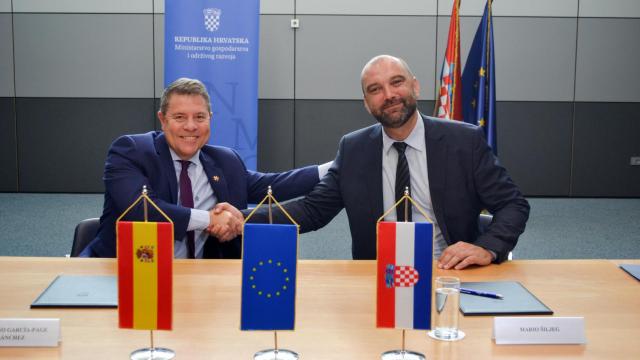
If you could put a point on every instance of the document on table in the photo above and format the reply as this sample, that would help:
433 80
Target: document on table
79 291
517 300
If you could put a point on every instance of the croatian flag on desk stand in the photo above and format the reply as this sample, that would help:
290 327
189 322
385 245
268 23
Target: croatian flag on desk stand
217 42
269 260
405 253
145 271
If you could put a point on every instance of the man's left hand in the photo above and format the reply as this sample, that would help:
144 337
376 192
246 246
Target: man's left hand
462 254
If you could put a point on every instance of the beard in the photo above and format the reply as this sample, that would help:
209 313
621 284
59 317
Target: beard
396 119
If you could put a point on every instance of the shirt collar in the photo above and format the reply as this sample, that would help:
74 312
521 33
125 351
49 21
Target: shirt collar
415 139
194 160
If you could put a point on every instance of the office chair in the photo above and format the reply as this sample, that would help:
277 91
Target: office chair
483 223
86 231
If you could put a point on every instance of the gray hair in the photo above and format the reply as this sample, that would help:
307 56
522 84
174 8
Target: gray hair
184 86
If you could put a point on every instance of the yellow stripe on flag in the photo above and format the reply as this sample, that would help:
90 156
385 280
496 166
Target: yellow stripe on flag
145 275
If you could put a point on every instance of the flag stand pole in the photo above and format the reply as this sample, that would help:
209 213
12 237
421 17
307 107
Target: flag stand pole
403 353
275 353
152 352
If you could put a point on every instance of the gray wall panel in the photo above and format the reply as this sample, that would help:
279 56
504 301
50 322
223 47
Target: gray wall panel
275 135
82 6
5 6
276 6
6 56
8 162
609 8
367 7
78 55
276 57
320 124
158 51
158 6
607 66
331 51
535 58
513 7
534 145
531 53
63 142
606 136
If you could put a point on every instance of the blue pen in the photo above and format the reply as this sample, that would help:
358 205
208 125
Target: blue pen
481 293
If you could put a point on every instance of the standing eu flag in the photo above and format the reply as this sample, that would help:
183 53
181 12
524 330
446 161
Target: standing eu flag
478 81
269 260
145 267
449 100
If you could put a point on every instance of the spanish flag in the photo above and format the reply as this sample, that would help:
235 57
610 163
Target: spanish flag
145 266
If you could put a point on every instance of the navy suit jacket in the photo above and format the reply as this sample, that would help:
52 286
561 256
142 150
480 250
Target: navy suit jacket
144 159
464 178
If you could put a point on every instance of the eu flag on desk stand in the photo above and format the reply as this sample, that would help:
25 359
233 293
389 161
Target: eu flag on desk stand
269 259
479 81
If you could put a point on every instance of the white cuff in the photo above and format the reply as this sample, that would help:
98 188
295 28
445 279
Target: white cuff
199 220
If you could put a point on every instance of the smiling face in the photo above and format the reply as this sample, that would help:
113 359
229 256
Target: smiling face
390 91
186 124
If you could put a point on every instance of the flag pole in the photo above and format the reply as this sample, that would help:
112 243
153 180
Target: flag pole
275 332
406 206
145 205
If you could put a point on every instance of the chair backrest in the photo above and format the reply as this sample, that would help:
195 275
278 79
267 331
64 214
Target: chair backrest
85 232
483 223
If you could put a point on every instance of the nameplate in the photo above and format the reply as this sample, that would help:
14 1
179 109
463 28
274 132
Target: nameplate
29 332
538 330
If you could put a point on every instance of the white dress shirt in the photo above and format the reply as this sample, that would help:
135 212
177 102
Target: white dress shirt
416 154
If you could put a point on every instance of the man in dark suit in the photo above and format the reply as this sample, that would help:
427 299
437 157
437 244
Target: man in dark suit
199 186
452 174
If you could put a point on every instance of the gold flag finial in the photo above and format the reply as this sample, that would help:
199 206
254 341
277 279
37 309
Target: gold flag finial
408 199
271 198
144 196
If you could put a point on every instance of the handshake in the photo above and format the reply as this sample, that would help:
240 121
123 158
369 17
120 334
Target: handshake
225 222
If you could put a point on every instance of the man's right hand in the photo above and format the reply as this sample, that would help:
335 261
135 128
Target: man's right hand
225 222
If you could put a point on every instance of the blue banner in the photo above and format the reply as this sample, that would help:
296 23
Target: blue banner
217 42
269 259
479 81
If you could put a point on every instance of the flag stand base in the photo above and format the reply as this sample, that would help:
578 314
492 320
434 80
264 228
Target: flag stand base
153 354
402 355
271 354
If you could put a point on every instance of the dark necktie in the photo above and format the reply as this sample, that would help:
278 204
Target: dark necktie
186 199
403 180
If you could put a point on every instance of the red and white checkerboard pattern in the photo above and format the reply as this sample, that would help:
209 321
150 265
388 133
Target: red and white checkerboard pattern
405 276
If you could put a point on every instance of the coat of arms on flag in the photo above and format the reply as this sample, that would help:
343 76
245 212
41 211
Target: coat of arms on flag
145 271
405 253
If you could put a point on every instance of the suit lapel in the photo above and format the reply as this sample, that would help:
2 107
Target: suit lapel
372 173
436 166
216 178
167 165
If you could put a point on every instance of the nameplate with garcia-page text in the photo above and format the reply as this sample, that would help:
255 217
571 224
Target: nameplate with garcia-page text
29 332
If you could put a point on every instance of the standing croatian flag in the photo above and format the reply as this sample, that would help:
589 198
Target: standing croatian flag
479 81
449 101
405 255
217 42
269 259
145 268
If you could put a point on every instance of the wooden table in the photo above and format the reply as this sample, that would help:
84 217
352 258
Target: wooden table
335 313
